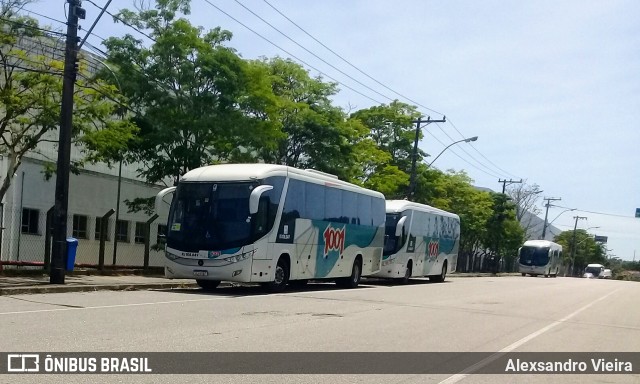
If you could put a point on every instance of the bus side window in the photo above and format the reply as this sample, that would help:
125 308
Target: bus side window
262 217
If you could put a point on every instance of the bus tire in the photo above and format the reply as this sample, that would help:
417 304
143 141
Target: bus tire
524 274
407 273
208 285
280 278
443 275
356 273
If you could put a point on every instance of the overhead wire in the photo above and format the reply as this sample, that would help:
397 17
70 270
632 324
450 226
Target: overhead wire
370 77
319 71
349 63
313 54
480 153
460 157
597 213
290 54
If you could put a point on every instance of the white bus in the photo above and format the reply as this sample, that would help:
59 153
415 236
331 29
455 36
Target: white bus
271 224
419 241
540 257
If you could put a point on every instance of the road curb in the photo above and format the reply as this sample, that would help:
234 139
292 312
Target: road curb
92 288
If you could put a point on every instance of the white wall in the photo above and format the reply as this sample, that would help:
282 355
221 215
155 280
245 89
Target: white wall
91 194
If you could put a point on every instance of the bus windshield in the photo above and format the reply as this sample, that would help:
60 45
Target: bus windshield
534 256
210 216
391 241
595 271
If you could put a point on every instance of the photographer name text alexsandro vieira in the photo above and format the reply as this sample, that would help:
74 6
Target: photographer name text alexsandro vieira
596 365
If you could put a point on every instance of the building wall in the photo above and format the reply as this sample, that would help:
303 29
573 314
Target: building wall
91 195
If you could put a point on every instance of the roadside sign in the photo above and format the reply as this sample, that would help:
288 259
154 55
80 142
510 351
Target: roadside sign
600 239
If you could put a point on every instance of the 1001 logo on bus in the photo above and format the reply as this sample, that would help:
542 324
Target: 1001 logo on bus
434 248
333 240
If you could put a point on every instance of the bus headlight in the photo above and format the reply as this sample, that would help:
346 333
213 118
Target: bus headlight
170 256
240 257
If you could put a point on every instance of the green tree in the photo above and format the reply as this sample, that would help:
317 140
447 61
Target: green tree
311 132
584 248
387 162
504 234
31 65
195 96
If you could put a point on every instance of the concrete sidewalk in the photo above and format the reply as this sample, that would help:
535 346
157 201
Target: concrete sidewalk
17 284
33 282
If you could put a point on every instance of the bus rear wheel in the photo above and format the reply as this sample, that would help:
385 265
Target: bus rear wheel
440 278
208 285
353 280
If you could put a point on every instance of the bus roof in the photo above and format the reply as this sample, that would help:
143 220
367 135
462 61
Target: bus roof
540 243
396 206
252 171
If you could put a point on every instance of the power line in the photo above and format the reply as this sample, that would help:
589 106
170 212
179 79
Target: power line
313 54
282 33
598 213
43 16
37 70
122 21
288 53
362 72
46 31
460 157
349 63
464 150
472 146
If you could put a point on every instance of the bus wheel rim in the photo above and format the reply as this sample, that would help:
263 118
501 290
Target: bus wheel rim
279 278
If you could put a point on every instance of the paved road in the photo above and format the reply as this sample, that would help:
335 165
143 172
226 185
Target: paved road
461 315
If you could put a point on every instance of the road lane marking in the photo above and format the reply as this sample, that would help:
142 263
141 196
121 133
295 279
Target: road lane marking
115 306
460 376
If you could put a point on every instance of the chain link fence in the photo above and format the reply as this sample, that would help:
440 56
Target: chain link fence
26 239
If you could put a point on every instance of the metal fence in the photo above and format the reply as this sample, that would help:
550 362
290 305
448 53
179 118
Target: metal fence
26 239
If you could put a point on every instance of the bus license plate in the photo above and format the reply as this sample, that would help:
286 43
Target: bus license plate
200 273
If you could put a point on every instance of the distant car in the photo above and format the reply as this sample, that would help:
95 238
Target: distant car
606 274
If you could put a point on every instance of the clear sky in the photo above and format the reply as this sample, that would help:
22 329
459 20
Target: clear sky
552 88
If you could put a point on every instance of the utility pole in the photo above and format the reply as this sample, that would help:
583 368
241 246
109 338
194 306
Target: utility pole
573 241
505 182
57 272
546 215
412 180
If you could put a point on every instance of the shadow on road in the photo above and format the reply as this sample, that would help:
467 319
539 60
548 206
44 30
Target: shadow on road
238 290
248 289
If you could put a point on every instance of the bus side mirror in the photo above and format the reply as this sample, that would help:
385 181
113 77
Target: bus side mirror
254 199
160 196
400 226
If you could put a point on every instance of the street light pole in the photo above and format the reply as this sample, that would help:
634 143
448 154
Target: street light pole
573 241
412 176
468 140
544 227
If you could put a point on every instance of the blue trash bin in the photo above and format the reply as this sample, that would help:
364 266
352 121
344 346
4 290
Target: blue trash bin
72 246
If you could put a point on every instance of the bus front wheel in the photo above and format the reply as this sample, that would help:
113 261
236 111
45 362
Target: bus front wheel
208 285
281 277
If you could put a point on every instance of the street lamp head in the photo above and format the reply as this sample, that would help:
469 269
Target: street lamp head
474 138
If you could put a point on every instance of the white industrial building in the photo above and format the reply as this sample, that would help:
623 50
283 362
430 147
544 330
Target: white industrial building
92 193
